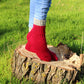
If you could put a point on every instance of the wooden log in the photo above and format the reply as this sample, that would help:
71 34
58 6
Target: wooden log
27 65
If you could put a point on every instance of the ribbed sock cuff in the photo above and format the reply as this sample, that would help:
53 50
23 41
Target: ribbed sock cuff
39 22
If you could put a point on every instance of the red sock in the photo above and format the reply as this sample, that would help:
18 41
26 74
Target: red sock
37 44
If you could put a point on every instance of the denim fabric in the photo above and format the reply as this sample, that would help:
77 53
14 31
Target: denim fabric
38 10
31 15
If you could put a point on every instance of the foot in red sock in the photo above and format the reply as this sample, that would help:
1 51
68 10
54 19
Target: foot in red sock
37 43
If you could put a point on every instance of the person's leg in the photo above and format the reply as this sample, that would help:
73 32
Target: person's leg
36 37
31 15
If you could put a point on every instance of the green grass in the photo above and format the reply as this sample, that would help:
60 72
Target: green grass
65 23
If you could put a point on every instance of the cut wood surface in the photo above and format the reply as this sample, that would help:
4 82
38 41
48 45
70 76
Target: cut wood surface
27 64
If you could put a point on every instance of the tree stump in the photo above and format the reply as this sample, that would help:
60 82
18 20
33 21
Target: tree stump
27 65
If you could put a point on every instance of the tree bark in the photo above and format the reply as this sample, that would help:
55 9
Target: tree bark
27 65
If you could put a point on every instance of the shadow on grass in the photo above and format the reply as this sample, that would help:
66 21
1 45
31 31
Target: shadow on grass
20 27
3 31
10 35
7 82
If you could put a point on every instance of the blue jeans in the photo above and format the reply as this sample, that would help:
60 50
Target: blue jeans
38 10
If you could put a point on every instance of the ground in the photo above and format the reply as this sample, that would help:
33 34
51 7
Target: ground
65 23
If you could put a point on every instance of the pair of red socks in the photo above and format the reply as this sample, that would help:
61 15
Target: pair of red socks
37 44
